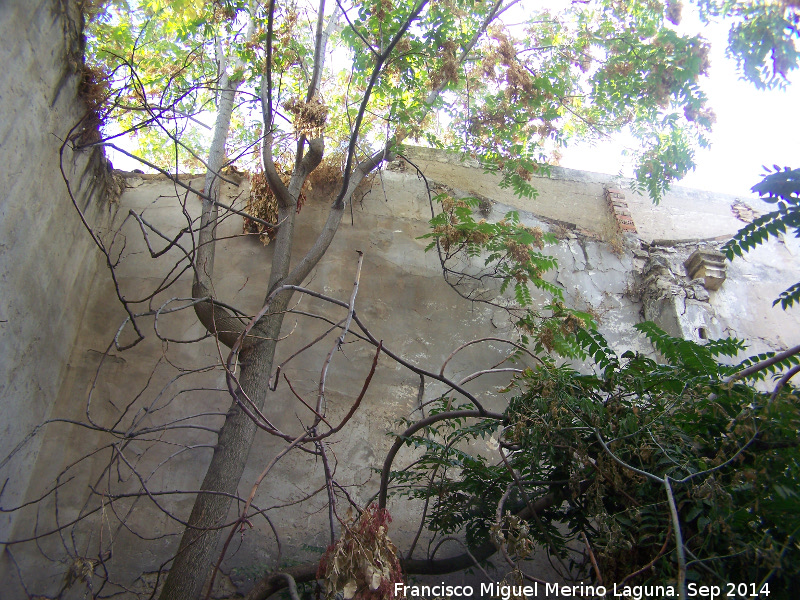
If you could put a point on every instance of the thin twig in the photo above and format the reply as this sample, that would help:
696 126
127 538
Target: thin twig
652 562
592 558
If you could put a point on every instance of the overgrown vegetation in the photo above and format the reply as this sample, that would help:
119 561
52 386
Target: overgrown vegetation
608 446
669 471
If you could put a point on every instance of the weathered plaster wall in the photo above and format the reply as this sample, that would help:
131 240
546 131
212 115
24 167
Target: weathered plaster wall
403 299
586 207
742 307
46 259
685 220
405 303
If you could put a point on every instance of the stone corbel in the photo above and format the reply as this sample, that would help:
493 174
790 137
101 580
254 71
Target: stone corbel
707 266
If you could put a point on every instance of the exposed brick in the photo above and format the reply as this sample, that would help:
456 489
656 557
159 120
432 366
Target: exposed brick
619 210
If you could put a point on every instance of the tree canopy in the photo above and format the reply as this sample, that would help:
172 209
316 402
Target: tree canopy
509 84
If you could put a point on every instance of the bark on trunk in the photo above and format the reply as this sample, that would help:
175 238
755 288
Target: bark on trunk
191 568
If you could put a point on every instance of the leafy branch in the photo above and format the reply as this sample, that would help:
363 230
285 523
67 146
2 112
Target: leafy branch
781 187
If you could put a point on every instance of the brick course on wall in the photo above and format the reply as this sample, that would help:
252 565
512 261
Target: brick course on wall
619 210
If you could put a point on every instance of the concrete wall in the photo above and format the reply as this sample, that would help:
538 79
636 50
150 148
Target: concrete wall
404 301
47 261
576 204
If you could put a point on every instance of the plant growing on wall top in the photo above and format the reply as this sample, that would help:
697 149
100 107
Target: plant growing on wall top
340 87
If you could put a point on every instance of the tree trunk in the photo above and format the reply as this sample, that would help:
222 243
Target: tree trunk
191 568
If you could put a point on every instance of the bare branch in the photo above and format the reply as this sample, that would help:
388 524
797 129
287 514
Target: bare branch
762 365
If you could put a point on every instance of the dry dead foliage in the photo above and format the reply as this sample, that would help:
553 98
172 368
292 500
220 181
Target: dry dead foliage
363 563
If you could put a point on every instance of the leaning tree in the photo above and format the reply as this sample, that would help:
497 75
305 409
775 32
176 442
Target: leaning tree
318 93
